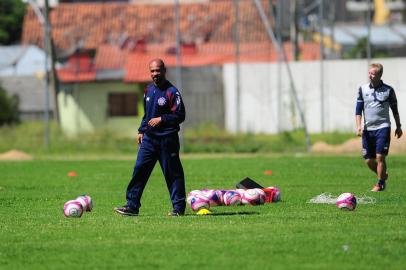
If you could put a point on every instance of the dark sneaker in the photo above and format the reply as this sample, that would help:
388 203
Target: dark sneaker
378 187
126 211
175 213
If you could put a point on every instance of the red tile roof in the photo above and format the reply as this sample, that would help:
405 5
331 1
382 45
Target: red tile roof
78 69
127 36
94 24
110 57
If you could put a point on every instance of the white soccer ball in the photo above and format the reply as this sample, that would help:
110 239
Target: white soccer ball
72 208
198 202
254 196
86 202
231 197
346 201
214 196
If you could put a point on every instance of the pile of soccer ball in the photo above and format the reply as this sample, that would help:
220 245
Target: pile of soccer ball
76 207
206 198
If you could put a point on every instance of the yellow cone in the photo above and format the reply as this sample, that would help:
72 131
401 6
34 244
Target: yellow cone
202 212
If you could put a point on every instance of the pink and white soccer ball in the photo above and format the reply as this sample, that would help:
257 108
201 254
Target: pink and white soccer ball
72 208
346 201
198 202
240 191
192 193
86 202
254 196
214 196
232 197
196 191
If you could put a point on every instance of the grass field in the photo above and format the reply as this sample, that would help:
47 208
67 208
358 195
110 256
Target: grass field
292 234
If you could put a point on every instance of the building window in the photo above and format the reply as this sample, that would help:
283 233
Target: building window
123 104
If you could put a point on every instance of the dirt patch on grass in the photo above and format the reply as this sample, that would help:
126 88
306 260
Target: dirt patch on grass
397 146
15 155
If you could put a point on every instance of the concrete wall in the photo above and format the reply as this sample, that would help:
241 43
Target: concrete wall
83 108
260 95
203 95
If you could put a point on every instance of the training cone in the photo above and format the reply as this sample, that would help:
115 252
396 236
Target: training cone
72 174
203 212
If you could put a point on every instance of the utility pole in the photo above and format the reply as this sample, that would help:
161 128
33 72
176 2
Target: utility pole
178 62
178 47
43 18
237 63
279 70
321 25
47 49
369 13
293 30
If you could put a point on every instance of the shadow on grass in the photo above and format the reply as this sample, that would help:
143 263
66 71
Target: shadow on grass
229 214
235 213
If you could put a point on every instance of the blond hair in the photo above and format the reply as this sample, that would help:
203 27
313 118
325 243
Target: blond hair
378 67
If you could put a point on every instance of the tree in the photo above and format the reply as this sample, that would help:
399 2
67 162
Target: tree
11 20
8 108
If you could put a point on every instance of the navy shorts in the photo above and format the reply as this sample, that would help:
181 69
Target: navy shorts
375 142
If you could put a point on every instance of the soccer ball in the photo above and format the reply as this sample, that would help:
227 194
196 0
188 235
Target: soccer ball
196 191
273 194
198 202
232 197
240 191
73 208
276 195
254 196
192 194
86 202
346 201
214 196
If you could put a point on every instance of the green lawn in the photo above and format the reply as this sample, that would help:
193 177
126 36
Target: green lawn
292 234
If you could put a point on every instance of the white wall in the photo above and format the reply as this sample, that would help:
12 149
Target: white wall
342 78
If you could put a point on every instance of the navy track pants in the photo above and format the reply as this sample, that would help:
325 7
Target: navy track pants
166 151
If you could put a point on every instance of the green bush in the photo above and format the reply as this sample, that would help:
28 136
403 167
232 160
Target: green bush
209 138
29 137
8 109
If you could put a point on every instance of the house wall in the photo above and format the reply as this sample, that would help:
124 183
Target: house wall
84 108
202 93
261 98
31 94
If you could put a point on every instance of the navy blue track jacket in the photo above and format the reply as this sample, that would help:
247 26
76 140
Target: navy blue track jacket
165 103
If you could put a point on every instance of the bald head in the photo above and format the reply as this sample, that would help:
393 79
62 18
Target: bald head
157 61
158 70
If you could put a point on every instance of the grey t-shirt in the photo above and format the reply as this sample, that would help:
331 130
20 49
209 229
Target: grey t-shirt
375 103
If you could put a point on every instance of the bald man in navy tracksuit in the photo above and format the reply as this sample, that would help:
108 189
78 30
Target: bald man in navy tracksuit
159 141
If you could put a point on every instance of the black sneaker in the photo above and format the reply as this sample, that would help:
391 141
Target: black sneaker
126 211
175 213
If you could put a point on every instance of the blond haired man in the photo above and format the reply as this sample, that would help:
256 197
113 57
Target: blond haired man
373 102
